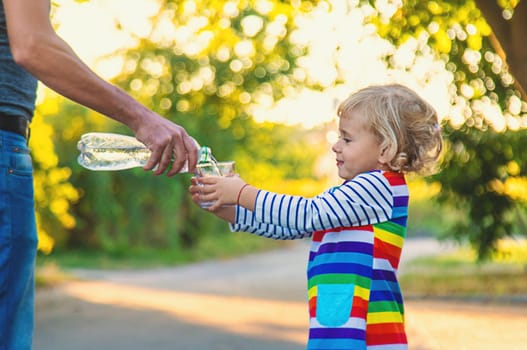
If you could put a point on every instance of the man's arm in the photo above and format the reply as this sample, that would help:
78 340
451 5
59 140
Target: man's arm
36 47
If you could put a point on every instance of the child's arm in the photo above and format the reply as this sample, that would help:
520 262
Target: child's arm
366 199
246 222
243 220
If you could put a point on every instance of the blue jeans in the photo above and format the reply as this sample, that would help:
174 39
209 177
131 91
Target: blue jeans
18 242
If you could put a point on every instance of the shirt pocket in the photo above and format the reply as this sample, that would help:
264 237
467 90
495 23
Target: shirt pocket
334 302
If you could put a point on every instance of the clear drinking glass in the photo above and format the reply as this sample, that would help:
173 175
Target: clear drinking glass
214 169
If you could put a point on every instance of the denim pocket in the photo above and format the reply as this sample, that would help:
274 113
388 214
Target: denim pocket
20 162
20 194
334 303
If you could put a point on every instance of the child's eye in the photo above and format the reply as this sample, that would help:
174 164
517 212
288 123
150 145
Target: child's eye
346 139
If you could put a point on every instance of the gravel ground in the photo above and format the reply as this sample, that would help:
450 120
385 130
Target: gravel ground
458 325
255 302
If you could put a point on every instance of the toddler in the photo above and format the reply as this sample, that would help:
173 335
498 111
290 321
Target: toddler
358 228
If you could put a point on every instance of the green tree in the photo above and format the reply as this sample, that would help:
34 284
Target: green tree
205 65
485 149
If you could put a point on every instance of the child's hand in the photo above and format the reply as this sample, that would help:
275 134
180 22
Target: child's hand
217 189
226 213
194 190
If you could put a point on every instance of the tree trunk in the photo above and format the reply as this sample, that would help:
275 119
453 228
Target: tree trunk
509 38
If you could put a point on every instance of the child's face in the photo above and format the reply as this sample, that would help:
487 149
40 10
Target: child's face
357 149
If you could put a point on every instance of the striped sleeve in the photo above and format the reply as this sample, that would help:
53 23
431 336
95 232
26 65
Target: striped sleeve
364 200
246 222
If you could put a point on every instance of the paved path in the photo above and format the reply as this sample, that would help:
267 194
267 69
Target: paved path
255 302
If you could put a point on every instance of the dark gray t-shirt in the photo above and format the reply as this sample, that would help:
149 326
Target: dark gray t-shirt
17 87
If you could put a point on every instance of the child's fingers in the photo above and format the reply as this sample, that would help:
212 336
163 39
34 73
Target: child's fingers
208 180
214 207
196 200
193 189
207 196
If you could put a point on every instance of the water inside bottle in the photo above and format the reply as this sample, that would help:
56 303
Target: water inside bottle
104 151
116 159
108 151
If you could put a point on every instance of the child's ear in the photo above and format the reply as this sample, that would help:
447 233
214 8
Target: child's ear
388 151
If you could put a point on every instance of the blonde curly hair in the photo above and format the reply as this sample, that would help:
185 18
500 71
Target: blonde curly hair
404 123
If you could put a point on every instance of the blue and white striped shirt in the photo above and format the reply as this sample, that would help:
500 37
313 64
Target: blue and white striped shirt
364 200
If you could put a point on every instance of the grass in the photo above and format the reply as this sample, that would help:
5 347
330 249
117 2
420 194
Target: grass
51 274
452 275
458 274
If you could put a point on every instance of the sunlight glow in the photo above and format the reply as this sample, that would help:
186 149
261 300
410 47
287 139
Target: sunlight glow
271 319
345 53
491 112
118 26
252 25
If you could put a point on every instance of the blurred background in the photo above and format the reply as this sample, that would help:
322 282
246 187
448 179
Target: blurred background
259 81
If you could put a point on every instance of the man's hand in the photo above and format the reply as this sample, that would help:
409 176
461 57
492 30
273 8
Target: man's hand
168 143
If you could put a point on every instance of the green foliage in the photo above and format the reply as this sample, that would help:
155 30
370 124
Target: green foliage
217 60
478 145
221 245
206 63
460 274
53 191
473 166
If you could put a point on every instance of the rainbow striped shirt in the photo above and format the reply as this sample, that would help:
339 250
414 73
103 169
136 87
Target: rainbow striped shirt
357 232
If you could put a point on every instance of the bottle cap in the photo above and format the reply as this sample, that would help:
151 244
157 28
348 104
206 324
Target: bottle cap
204 155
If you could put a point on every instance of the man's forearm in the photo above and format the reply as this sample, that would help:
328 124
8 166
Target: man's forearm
53 63
51 60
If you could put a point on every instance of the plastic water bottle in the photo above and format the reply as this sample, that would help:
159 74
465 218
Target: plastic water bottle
110 151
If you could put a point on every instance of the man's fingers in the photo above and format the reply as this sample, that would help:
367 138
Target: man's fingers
192 149
157 147
153 160
178 156
171 146
164 161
